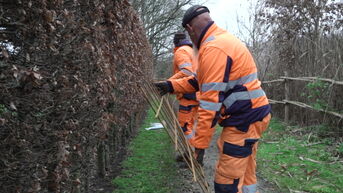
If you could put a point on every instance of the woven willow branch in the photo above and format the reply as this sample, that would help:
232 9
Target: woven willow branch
164 112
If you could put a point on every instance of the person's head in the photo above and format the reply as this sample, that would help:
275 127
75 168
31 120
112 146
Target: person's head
178 38
181 39
195 20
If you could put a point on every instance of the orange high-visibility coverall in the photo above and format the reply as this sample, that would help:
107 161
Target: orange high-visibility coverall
185 65
231 94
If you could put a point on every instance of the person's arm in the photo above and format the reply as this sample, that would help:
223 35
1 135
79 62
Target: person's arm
184 85
178 86
213 73
181 74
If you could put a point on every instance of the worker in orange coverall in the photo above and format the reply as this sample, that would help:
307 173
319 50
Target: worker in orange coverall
185 65
230 94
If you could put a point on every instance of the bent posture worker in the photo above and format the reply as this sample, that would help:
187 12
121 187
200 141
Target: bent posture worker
231 94
184 65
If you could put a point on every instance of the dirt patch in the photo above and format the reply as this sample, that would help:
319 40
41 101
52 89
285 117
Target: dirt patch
189 186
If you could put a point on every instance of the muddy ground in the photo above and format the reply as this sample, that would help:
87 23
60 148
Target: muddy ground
188 186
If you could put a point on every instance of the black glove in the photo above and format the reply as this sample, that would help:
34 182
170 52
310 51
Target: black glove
163 87
199 155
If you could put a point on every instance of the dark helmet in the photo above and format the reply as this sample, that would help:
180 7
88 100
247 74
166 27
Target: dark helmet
192 12
178 37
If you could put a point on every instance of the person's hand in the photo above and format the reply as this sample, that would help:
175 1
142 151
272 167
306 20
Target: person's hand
199 155
162 87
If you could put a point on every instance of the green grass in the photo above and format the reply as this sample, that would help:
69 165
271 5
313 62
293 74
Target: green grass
3 109
296 159
151 167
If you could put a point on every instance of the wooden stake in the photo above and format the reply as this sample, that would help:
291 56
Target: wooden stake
286 98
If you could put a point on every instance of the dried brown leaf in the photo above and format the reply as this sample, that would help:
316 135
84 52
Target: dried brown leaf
2 121
48 16
5 53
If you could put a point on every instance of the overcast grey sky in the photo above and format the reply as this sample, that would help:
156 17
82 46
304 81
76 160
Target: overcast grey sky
226 12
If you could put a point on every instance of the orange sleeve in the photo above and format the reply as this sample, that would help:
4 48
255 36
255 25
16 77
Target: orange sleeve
185 85
213 68
178 75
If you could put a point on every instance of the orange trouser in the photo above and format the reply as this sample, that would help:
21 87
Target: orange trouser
187 117
236 167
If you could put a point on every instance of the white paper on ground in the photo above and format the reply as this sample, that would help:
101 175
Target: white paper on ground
155 126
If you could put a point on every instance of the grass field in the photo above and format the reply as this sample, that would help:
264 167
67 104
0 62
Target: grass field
295 159
298 160
151 166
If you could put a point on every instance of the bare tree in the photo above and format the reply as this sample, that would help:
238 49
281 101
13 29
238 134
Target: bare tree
303 38
161 18
292 21
254 35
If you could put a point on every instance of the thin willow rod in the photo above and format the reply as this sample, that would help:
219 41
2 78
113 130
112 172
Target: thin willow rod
155 94
197 171
154 101
167 116
175 132
163 122
184 141
162 116
183 149
180 133
189 150
176 128
154 105
159 108
175 118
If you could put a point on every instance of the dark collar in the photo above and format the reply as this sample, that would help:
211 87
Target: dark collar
204 32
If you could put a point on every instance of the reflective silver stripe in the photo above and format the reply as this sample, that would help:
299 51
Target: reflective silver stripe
189 136
210 105
243 80
209 39
221 86
250 188
184 65
189 73
245 95
218 86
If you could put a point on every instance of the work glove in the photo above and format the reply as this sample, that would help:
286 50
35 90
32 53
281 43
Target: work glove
162 87
199 155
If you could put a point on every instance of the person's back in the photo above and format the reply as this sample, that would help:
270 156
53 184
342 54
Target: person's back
182 54
234 73
231 94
